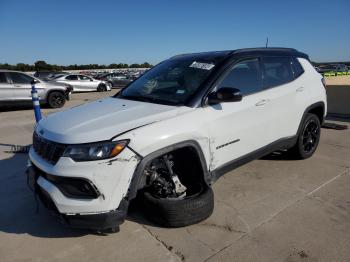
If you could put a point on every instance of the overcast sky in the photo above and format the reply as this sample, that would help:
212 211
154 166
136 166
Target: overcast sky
81 32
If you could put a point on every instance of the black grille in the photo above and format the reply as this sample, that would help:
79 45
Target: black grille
48 150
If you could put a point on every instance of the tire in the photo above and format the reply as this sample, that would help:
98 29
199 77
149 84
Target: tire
179 212
308 138
101 88
56 99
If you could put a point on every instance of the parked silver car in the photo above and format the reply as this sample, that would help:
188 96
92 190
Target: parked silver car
81 83
116 79
15 87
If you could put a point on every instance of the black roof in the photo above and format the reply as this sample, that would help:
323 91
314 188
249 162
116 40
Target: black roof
217 55
272 51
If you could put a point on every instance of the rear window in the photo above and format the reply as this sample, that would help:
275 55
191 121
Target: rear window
297 68
2 78
18 78
277 71
83 77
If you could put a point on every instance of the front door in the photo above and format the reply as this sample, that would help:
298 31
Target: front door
237 128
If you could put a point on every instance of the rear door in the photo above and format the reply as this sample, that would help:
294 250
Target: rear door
73 81
6 88
281 93
87 83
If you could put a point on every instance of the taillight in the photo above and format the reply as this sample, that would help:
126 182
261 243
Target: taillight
323 82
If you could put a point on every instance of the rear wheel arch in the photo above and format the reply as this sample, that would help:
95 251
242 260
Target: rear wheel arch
61 98
102 87
317 109
52 90
138 180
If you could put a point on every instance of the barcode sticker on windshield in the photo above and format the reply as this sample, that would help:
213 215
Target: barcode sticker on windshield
204 66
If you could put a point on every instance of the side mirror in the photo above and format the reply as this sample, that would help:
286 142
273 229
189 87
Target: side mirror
225 94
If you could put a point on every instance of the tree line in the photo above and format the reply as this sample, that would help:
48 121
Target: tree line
43 66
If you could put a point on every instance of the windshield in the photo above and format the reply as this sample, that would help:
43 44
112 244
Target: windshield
171 82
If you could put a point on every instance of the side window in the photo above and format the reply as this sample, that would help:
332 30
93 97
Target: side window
297 68
18 78
244 76
84 78
277 71
72 77
3 79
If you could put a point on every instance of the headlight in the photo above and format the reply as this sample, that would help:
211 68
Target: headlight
95 151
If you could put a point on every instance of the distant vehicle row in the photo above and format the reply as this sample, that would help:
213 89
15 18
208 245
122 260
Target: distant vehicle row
81 83
332 68
115 79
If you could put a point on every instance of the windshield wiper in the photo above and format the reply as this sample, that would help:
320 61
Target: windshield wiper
148 99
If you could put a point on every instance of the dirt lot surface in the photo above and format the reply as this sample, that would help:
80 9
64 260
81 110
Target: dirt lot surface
271 209
338 80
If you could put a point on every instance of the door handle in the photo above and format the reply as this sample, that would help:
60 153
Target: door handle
18 86
300 89
262 102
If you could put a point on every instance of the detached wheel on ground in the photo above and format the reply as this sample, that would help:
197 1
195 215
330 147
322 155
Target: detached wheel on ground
308 138
175 194
172 212
56 99
101 88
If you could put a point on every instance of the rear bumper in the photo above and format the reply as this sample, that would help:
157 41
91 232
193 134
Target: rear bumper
68 92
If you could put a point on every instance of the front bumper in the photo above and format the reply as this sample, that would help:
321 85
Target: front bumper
97 221
109 178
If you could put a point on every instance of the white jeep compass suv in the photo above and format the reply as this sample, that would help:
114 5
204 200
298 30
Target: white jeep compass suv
170 134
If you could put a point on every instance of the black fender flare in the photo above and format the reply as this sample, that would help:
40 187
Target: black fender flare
307 110
136 181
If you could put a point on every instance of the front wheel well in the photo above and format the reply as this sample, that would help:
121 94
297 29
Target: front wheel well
187 165
190 162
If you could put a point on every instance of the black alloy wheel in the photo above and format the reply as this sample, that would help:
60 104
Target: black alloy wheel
56 99
101 88
308 138
311 135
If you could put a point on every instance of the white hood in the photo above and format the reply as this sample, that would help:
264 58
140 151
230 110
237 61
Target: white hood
101 120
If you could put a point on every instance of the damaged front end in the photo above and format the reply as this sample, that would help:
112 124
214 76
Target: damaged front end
96 221
82 194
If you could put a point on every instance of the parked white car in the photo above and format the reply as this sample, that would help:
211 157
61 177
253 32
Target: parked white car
83 83
173 132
